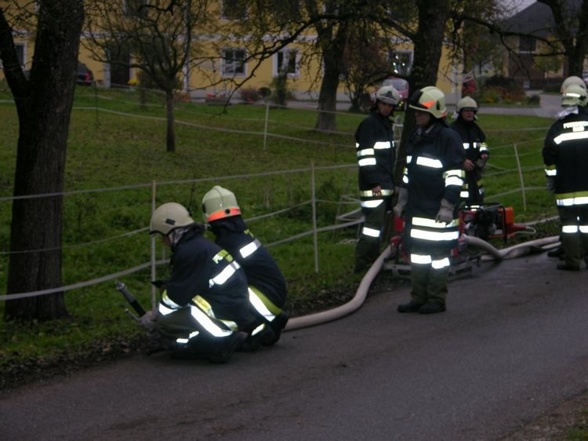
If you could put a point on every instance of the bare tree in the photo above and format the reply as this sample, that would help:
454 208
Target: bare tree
571 31
43 104
155 37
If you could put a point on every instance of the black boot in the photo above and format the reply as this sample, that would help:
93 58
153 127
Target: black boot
432 308
412 306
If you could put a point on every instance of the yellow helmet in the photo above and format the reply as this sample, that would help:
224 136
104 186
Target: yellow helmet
219 203
168 217
429 99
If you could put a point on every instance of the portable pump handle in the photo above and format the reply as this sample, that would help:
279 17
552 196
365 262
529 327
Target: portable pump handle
122 288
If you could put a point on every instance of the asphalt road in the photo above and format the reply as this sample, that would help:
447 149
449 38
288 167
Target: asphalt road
511 346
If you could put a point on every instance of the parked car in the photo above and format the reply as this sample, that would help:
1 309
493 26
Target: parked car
85 76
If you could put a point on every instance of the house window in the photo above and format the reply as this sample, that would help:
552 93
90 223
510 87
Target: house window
135 8
233 62
20 54
285 10
287 60
527 44
400 62
234 9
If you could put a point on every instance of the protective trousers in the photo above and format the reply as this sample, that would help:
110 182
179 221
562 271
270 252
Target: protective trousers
574 233
372 233
429 273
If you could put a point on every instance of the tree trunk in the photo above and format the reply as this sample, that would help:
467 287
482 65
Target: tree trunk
333 50
170 118
428 42
44 107
327 103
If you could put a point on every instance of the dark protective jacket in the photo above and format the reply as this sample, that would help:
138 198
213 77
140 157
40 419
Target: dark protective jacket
433 172
565 154
376 154
474 144
263 273
201 267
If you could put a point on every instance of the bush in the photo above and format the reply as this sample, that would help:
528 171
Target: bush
250 95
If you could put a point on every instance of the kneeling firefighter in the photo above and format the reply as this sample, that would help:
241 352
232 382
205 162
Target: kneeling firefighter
204 303
267 286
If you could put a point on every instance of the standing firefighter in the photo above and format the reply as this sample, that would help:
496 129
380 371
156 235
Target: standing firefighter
376 156
432 182
206 293
565 154
476 150
267 286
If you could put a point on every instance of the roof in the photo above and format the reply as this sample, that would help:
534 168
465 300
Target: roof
536 19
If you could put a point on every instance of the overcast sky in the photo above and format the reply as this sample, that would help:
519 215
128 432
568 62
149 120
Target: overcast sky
519 4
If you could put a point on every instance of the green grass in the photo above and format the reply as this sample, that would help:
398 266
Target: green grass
117 145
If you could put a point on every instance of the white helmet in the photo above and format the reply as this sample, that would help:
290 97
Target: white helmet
388 95
219 203
429 99
168 217
574 95
467 103
572 80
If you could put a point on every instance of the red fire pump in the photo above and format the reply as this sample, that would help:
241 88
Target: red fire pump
486 222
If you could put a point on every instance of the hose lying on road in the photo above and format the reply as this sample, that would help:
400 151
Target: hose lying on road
355 303
347 308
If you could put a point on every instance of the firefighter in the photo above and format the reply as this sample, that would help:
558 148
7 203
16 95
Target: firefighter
565 154
474 143
558 252
267 286
569 81
376 156
206 294
430 191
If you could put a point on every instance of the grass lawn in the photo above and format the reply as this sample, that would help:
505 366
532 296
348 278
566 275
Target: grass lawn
117 165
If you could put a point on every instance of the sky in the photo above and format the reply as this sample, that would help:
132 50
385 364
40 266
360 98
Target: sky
519 4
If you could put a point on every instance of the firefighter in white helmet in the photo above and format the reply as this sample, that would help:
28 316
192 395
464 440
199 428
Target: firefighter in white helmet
206 294
571 80
376 156
565 154
476 149
267 286
429 194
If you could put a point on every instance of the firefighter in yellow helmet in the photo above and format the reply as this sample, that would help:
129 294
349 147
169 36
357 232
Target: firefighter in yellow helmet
267 286
204 304
476 149
429 195
376 156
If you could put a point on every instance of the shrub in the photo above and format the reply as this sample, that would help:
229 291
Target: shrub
250 95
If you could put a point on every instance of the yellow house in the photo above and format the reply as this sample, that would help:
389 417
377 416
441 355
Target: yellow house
225 63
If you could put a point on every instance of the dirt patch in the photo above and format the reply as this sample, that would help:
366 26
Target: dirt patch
559 424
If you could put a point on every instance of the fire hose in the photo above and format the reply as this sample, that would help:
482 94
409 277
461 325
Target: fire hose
357 301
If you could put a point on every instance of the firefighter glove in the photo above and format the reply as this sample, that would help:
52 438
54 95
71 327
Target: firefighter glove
550 184
401 202
445 213
148 320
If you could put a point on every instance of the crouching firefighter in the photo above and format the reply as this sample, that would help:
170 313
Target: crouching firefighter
267 286
432 181
204 303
